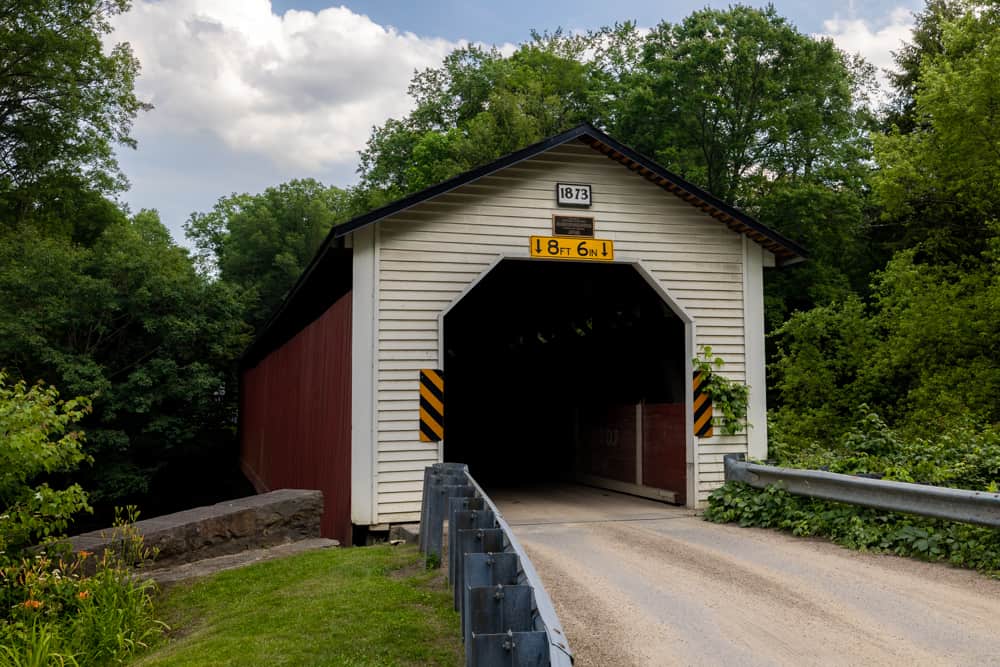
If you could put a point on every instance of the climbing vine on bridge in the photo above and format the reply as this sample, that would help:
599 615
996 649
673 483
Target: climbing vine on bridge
729 397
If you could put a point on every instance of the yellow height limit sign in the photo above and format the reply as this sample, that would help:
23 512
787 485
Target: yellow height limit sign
567 247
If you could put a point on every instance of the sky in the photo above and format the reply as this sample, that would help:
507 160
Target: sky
252 93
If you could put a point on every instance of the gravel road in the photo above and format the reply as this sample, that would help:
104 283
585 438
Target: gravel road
637 582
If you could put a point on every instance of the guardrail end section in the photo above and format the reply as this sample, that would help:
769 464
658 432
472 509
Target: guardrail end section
735 467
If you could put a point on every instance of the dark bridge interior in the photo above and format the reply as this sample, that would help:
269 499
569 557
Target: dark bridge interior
545 363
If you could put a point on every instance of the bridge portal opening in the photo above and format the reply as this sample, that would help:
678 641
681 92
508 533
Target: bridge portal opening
564 371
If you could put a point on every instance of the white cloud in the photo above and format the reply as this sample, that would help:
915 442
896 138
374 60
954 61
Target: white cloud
302 89
875 40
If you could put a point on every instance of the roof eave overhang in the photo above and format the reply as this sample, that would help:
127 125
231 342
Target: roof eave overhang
786 251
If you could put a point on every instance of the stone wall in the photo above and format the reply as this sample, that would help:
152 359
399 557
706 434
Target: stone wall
286 515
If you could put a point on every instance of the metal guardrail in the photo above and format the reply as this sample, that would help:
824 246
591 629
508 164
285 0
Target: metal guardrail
979 507
507 617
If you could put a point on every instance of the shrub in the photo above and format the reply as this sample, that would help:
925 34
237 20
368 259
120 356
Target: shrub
57 615
51 613
961 453
37 438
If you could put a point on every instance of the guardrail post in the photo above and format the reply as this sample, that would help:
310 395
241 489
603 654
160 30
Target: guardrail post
465 520
461 505
488 569
439 498
517 649
471 541
422 535
496 614
436 476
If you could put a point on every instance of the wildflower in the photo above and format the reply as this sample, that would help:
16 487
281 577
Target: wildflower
83 595
32 604
85 554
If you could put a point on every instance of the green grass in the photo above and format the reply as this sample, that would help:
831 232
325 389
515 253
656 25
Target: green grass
359 606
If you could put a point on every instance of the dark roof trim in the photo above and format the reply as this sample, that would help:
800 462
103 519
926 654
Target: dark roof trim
457 181
785 250
327 278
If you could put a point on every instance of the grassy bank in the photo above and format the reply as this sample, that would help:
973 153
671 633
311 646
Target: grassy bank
361 606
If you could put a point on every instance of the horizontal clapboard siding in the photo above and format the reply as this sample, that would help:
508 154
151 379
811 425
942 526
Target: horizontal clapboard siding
430 254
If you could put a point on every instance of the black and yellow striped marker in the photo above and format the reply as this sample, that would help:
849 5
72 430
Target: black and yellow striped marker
431 405
702 406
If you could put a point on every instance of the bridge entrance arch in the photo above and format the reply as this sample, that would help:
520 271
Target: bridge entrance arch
568 371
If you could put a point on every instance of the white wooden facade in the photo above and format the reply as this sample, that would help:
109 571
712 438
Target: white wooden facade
412 266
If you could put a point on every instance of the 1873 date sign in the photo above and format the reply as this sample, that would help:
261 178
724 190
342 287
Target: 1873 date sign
573 194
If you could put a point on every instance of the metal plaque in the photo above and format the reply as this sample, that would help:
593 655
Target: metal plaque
572 225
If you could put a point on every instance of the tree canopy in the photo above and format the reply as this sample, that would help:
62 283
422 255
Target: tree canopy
738 99
936 183
479 106
64 101
130 323
95 300
775 121
261 243
921 352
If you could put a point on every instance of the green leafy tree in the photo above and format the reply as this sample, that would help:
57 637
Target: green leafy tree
921 352
737 99
937 182
834 224
260 244
130 322
818 374
479 106
64 99
925 41
743 104
92 300
941 330
37 440
921 355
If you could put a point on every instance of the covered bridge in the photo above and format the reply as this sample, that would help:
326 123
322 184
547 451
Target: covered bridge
535 318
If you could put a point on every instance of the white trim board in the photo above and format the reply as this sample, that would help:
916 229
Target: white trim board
363 365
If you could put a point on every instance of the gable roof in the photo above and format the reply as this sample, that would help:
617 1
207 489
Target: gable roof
785 250
328 275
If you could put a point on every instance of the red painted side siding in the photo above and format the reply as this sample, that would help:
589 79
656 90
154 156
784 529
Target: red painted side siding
296 417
